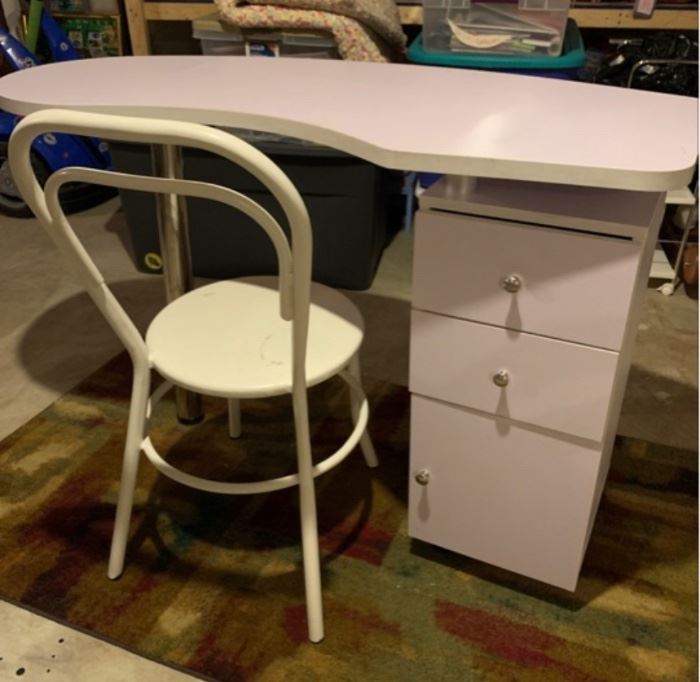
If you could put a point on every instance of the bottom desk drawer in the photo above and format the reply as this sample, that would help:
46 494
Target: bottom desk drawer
499 492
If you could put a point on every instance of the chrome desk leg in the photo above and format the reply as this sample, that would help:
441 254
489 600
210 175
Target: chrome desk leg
175 247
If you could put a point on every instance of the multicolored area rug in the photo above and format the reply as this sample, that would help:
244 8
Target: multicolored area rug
213 584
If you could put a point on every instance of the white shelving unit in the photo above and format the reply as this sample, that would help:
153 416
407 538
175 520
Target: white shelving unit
661 268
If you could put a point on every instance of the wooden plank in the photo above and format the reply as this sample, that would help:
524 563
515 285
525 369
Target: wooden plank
619 18
411 15
177 11
187 11
585 17
138 30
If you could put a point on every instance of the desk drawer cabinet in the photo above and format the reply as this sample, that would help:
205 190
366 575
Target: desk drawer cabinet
569 285
521 339
548 383
511 496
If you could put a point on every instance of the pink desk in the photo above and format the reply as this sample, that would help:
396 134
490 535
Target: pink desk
531 260
397 116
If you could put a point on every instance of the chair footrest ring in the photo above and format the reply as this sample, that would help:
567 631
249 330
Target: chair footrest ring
268 485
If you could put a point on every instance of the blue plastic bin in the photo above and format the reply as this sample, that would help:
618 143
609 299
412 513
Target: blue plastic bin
565 66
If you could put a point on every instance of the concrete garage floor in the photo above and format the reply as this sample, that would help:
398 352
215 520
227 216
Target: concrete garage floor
51 337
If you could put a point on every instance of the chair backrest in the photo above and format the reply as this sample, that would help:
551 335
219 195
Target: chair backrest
294 261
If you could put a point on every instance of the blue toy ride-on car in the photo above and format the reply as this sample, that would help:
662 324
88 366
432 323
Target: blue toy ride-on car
50 152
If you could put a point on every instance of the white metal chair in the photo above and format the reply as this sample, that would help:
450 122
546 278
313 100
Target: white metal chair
234 339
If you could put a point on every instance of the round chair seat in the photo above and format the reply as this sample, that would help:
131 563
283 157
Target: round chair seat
228 339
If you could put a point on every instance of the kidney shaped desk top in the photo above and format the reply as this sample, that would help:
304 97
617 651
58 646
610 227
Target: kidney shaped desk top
397 116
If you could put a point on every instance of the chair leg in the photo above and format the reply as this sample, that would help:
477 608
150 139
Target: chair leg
234 417
309 528
365 442
132 450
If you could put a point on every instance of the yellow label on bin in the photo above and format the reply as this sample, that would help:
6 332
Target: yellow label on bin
153 261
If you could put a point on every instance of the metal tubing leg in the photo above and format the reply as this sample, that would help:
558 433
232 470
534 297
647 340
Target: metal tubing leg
234 417
132 451
177 260
309 528
365 442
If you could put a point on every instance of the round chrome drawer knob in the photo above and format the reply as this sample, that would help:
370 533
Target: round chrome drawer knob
501 378
512 283
423 477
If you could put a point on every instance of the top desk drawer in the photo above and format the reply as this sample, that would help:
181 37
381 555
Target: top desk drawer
564 284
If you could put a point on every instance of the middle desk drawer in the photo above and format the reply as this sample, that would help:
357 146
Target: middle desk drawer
544 382
549 281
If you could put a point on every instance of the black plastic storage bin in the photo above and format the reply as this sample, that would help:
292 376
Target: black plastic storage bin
355 209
